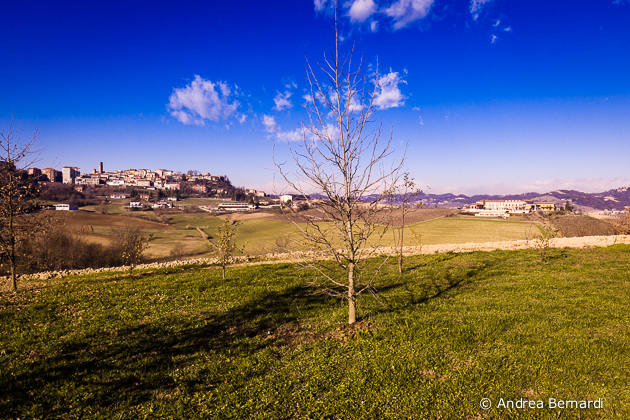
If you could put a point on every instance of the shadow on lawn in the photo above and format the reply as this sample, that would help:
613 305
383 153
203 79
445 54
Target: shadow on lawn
424 282
129 366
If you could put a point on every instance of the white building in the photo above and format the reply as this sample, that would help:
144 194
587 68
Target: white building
493 213
66 207
69 173
233 206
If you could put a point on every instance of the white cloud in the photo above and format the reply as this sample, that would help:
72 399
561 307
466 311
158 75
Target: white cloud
421 122
270 124
285 136
389 94
309 98
494 39
282 101
361 10
200 101
497 23
320 5
406 11
374 26
589 185
508 29
352 105
475 7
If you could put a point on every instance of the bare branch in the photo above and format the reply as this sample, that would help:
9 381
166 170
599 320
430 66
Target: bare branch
342 158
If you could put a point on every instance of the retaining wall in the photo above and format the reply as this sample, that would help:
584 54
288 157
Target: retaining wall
578 242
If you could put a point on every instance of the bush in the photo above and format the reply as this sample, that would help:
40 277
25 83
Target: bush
574 226
56 249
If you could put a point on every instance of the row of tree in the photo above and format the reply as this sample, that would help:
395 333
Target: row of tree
56 248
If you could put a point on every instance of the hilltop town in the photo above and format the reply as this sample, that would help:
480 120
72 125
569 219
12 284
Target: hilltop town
140 182
157 189
144 178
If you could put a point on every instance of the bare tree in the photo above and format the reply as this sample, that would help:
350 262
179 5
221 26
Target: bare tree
406 193
17 192
342 158
622 225
543 241
225 246
132 244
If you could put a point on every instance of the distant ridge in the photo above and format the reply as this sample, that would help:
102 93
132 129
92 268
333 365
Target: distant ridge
615 199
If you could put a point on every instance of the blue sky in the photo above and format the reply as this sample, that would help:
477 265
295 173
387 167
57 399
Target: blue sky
492 96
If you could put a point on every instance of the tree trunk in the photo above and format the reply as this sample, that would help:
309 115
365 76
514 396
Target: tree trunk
400 256
352 308
402 233
13 278
12 258
223 267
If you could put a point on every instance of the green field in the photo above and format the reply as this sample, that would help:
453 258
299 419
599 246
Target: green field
452 330
260 235
462 230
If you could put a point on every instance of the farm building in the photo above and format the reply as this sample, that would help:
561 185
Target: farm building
233 206
66 207
492 213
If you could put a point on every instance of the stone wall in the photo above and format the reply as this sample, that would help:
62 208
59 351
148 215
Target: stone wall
577 242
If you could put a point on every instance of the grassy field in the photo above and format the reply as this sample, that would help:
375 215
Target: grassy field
259 234
100 228
462 230
455 329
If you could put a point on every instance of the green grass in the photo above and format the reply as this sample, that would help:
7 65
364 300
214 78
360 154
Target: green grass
259 236
182 343
109 209
462 230
262 233
200 201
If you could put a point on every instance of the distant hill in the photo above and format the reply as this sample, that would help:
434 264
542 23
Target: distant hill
615 199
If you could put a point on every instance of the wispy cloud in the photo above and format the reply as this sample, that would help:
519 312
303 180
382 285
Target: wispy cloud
201 101
282 101
590 185
285 136
389 94
320 5
406 11
361 10
401 12
476 6
494 39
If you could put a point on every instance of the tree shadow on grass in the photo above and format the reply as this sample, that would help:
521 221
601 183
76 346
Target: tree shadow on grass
439 281
129 365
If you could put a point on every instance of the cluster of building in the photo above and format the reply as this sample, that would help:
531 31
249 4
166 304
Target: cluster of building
503 208
146 178
291 200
